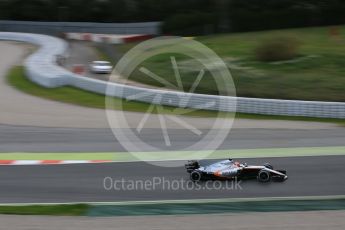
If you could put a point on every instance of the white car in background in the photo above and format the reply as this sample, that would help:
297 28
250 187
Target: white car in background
101 67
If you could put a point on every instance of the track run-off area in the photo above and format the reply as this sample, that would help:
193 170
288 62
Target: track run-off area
33 129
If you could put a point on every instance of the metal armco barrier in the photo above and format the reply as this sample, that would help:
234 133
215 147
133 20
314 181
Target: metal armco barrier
41 68
57 28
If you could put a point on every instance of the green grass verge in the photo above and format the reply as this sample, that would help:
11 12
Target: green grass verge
51 210
178 208
16 78
317 75
174 155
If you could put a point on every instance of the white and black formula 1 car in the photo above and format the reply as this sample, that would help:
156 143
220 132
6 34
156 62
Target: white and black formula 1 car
230 169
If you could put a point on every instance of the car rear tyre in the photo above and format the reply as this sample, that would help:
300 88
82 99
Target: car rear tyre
264 176
195 176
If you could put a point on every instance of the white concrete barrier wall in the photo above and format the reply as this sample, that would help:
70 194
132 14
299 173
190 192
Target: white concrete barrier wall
41 68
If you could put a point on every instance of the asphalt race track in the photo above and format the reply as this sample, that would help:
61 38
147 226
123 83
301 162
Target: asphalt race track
40 139
308 176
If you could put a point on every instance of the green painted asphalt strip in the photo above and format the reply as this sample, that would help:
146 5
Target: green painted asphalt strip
189 201
217 207
182 155
221 200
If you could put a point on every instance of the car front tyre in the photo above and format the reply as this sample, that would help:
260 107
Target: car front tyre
264 176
